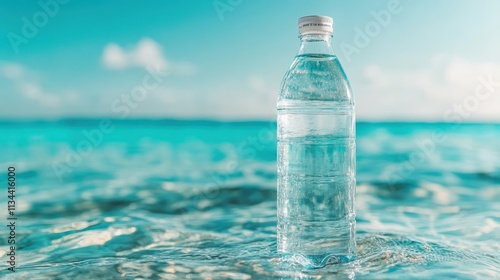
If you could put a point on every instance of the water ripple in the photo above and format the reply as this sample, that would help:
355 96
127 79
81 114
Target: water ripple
171 203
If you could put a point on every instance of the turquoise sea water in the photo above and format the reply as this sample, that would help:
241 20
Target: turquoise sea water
168 199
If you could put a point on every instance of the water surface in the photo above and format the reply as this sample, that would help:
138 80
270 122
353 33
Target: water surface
176 199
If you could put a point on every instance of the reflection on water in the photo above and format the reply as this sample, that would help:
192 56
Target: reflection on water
172 200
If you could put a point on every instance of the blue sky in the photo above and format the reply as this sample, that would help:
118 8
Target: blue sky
419 60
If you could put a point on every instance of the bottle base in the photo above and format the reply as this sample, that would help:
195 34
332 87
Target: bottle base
316 261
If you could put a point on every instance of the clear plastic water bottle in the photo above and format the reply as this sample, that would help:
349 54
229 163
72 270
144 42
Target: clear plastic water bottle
316 153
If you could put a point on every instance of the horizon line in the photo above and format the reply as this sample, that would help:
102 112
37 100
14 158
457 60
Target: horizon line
4 120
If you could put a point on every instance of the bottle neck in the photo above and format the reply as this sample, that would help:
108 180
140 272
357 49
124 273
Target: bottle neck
316 44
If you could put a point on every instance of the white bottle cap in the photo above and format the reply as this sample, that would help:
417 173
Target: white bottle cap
315 25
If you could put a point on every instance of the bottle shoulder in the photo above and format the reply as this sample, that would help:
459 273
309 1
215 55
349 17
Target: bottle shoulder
316 78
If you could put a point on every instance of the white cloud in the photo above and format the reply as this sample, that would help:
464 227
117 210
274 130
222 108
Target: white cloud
421 94
27 84
426 93
183 68
114 57
250 98
146 53
254 98
11 71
